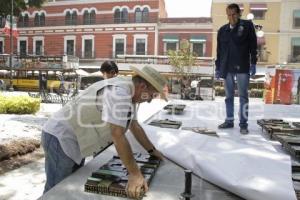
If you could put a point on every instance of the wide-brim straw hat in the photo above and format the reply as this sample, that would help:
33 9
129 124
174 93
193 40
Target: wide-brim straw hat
153 77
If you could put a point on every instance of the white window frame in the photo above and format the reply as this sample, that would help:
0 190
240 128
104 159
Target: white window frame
3 43
37 38
165 46
87 37
140 36
22 39
203 50
69 37
120 36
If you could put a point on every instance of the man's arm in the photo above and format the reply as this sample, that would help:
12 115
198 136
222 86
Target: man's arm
136 181
253 44
217 62
142 138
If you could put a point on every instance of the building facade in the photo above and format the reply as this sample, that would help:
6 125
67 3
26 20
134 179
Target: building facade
102 29
264 12
289 42
198 31
89 29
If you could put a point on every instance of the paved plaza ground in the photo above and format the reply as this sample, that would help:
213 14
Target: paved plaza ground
27 181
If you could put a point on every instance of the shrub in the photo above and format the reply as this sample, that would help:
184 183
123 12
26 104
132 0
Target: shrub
257 93
219 91
2 104
19 105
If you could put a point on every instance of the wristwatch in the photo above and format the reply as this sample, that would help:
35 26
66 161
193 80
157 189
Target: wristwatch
151 150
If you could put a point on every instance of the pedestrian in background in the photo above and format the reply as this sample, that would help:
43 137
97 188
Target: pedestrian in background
2 85
236 61
109 69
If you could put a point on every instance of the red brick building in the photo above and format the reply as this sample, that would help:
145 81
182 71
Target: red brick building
102 29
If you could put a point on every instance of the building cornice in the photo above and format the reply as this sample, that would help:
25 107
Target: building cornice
67 30
181 26
89 26
187 32
245 1
85 33
85 2
81 11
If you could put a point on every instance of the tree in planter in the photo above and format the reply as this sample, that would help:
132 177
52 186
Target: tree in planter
182 62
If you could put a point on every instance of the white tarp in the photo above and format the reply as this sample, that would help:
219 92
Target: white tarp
82 72
4 71
248 171
98 73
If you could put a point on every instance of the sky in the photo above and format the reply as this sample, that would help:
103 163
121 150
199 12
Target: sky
188 8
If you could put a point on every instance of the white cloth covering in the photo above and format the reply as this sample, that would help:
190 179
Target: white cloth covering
248 171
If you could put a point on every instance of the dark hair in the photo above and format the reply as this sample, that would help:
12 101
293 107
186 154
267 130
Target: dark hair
234 6
109 66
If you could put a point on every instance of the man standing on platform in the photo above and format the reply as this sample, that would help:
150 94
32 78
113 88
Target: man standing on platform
236 61
109 69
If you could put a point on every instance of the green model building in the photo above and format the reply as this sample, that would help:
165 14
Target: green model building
111 178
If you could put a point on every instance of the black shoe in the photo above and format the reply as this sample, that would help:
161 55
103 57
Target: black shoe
244 131
225 125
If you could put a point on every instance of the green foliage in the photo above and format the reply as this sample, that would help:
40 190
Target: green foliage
219 91
182 60
19 105
19 6
256 93
2 104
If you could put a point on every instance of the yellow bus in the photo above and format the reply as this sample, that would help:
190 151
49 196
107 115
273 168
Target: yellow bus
33 73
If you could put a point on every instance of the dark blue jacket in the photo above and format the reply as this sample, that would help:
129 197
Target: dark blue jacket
236 48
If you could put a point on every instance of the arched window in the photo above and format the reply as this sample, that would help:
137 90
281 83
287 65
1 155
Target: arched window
2 21
20 22
26 20
124 15
36 20
89 17
138 15
93 17
68 20
74 18
23 20
117 16
145 15
42 19
86 17
39 19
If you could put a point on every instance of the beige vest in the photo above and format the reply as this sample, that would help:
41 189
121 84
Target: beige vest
84 117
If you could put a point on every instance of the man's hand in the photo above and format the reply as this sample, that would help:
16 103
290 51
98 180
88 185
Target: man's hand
136 185
252 70
217 74
158 154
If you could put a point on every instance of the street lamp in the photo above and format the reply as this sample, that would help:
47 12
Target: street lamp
258 27
262 54
250 16
11 88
